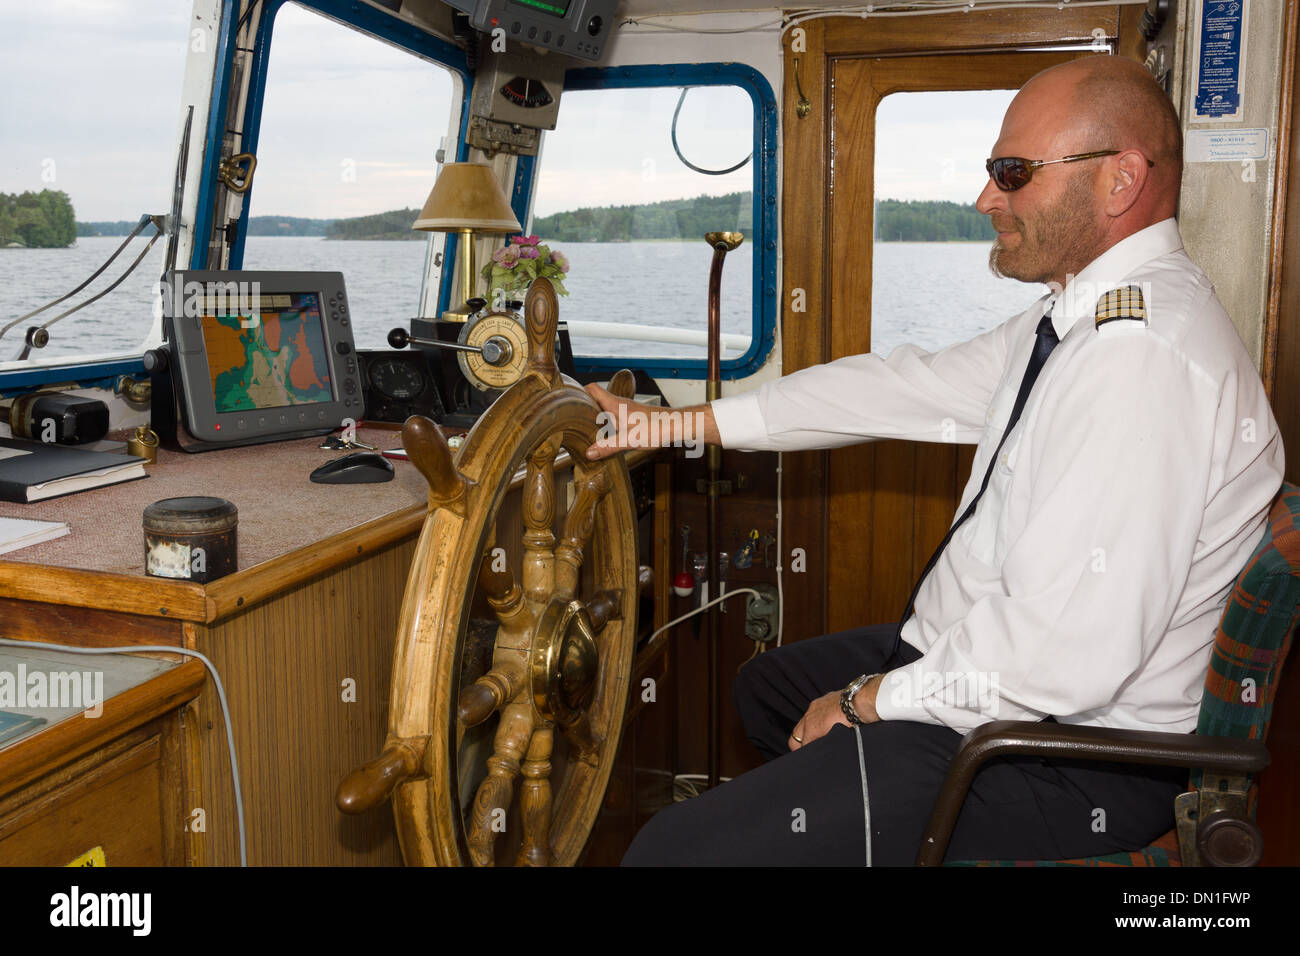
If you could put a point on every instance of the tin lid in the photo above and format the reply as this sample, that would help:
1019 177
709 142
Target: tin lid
191 514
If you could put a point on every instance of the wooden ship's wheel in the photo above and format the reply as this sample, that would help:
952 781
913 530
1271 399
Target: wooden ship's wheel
510 675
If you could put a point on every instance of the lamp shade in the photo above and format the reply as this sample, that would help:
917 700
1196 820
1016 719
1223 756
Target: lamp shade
467 196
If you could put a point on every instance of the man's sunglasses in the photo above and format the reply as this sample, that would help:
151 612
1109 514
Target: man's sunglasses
1009 173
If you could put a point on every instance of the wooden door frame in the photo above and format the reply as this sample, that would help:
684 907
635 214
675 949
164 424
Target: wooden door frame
807 335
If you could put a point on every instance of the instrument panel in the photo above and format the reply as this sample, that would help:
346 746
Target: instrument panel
397 385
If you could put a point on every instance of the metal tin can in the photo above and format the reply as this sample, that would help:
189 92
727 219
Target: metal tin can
192 539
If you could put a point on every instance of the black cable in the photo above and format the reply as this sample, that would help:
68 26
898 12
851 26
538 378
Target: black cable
144 221
676 149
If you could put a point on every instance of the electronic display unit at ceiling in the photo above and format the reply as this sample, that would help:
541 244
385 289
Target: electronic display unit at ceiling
260 356
579 28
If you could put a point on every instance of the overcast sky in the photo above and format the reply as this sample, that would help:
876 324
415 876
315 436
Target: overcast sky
90 104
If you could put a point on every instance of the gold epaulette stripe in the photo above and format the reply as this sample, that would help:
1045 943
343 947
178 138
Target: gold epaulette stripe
1123 303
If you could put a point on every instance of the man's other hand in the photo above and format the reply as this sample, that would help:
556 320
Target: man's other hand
825 712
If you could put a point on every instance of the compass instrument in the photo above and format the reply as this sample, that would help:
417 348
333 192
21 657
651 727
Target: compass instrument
527 93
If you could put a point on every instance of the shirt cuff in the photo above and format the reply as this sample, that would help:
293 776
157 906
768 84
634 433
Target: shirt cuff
740 420
900 695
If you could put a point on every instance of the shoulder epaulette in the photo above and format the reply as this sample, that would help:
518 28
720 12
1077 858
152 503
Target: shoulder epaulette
1124 304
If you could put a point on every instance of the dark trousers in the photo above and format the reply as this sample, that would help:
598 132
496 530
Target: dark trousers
805 807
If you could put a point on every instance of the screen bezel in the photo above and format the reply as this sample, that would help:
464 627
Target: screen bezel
189 355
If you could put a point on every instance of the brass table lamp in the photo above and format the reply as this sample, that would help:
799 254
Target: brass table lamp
466 199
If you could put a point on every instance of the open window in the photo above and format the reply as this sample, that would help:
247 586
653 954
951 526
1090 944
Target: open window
617 194
930 281
80 170
345 157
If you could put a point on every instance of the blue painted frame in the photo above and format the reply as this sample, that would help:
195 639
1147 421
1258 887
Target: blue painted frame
369 20
764 209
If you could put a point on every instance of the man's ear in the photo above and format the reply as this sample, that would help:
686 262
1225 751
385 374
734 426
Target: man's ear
1125 177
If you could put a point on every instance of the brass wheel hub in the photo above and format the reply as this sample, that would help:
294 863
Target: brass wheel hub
565 660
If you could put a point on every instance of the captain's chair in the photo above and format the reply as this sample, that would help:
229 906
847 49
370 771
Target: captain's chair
1215 819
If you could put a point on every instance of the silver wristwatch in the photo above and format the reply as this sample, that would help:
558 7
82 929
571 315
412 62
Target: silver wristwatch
847 695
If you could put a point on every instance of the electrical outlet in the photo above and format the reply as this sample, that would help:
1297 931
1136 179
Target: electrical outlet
762 612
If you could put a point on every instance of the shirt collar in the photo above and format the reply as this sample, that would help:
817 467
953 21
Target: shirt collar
1110 269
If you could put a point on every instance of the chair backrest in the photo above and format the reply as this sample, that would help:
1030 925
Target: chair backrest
1255 631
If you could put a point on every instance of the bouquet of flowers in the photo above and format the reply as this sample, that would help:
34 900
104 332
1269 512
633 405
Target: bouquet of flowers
514 267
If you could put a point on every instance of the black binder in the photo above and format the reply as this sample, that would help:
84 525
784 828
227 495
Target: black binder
39 471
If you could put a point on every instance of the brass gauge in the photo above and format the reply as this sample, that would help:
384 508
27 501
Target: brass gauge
500 346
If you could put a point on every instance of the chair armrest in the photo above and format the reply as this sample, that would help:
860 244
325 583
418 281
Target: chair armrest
1000 738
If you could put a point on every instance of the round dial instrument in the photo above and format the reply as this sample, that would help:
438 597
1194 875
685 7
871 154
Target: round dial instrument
504 354
396 379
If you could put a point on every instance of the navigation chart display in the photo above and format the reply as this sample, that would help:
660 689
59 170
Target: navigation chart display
272 356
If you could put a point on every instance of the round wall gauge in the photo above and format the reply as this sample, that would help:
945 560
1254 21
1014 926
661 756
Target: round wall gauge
504 345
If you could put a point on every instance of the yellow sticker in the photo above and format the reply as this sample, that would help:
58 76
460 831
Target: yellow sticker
93 857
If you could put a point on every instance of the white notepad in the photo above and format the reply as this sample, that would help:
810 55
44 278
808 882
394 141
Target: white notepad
18 533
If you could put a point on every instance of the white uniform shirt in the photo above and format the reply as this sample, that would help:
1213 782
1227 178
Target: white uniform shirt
1089 582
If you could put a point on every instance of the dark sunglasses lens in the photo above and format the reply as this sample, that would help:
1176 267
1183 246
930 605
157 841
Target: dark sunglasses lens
1009 173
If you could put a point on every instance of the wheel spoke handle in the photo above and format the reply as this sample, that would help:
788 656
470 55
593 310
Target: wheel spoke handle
372 784
428 450
480 700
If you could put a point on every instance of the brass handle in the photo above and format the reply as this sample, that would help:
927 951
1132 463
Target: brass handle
232 173
370 785
804 106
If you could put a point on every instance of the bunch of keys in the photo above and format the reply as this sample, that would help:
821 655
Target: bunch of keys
337 442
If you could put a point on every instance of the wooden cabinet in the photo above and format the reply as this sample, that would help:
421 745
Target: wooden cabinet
302 636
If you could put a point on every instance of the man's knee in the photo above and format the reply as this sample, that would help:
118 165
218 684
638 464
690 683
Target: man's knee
746 689
658 842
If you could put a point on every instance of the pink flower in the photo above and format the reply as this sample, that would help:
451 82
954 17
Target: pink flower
526 241
506 257
559 261
528 252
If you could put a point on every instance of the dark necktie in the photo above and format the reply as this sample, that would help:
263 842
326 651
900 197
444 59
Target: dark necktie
1043 346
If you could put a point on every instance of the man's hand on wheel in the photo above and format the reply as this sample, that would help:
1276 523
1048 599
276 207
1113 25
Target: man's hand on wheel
652 426
610 440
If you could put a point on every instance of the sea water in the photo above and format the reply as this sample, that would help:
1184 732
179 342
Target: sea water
929 294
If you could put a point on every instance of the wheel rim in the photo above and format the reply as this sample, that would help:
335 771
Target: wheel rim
549 709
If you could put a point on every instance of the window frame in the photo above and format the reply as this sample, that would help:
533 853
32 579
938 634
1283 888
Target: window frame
764 191
350 14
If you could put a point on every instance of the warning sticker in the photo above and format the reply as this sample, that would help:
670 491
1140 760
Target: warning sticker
92 857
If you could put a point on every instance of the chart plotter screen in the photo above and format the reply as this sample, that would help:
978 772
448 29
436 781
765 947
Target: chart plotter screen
269 356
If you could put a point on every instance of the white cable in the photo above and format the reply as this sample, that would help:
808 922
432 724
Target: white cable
866 800
780 554
221 696
868 11
916 8
703 607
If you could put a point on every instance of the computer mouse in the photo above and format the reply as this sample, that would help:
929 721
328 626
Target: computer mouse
362 467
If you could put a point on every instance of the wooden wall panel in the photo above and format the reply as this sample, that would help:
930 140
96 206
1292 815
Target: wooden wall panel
284 663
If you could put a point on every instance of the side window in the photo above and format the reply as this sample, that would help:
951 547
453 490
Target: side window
931 285
88 127
630 216
346 155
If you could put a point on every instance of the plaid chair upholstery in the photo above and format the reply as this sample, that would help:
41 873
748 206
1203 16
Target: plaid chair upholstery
1250 648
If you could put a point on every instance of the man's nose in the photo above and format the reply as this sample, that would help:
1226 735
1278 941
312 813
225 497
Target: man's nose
990 198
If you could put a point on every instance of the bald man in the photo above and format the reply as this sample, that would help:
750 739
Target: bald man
1126 457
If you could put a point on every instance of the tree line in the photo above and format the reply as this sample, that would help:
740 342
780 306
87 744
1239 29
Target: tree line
927 221
689 219
669 219
43 220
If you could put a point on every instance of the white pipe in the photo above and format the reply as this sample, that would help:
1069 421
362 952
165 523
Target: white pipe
731 341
